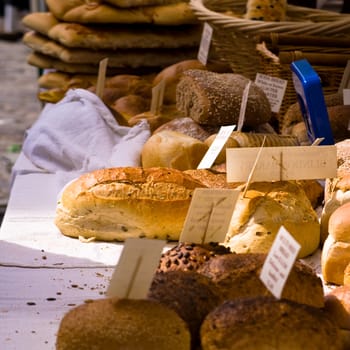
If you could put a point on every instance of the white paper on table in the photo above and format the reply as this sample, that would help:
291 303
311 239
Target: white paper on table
29 237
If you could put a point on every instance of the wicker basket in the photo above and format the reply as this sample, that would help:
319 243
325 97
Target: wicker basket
237 41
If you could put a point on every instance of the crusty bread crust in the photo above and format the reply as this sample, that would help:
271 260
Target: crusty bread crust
117 203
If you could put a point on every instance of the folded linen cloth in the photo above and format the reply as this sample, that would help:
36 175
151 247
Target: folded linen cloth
79 134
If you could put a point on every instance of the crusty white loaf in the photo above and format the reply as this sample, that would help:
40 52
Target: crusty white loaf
337 190
267 206
336 248
172 149
117 203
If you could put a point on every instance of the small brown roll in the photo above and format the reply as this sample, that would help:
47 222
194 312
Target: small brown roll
189 256
188 293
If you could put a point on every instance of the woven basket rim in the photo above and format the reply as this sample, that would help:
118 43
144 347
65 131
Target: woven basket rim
320 21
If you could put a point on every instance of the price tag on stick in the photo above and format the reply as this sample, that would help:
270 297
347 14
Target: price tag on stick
137 264
101 77
209 215
204 45
215 148
157 97
279 262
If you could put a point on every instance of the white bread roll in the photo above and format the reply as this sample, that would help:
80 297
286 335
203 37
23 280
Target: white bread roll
265 208
117 203
109 324
172 149
337 190
336 249
334 259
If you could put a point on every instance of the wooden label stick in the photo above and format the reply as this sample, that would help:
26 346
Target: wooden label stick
157 97
209 215
204 45
244 102
250 177
100 85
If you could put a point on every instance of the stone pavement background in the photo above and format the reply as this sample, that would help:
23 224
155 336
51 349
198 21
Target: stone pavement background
19 107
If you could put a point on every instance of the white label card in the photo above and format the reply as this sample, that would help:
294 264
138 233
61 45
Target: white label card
274 89
215 148
279 262
281 163
209 215
204 45
134 272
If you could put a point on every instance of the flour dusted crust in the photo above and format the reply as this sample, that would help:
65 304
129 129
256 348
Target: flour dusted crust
99 37
120 37
116 58
117 203
267 206
82 11
136 3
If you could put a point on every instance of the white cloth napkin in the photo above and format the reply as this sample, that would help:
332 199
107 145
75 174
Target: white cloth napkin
79 134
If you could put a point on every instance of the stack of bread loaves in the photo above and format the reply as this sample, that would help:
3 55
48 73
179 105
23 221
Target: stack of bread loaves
136 36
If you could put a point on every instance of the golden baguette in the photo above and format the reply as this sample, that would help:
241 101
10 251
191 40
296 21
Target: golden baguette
243 139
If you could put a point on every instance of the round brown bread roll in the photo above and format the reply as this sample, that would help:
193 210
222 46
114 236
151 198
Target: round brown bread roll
337 305
186 126
112 324
188 293
130 105
172 149
156 120
268 323
189 256
238 275
339 223
118 203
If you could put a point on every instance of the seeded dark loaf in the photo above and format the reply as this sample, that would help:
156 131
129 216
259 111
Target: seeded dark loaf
211 98
131 324
238 275
189 256
191 295
269 323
